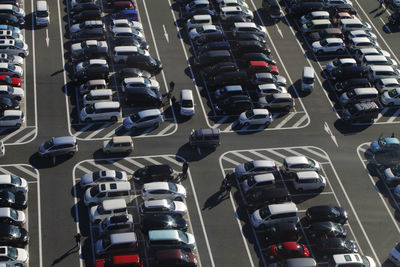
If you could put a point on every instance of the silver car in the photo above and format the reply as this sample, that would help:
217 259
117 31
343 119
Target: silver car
65 145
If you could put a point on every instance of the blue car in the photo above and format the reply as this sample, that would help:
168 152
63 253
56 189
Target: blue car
10 28
386 143
130 15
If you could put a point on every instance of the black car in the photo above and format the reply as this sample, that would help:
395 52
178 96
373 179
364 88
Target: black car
346 85
213 57
263 197
325 33
88 34
8 102
133 72
14 200
224 45
146 63
219 68
12 20
350 72
143 97
154 173
245 59
130 40
394 18
94 73
84 6
332 8
335 245
231 20
251 46
162 221
318 230
326 213
90 53
86 15
227 78
234 104
245 36
301 8
282 232
11 235
210 37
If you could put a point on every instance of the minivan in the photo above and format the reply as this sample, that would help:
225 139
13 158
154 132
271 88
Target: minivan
121 53
110 207
92 85
100 95
109 110
170 239
376 72
248 27
118 144
42 13
186 102
107 190
357 95
115 224
144 97
212 57
227 91
58 146
273 8
119 242
142 119
258 181
378 60
361 112
198 20
353 24
275 213
205 137
316 25
307 79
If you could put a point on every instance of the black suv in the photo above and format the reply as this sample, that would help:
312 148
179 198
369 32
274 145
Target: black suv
318 230
162 221
234 105
13 200
88 34
282 232
100 72
11 235
146 63
154 173
326 213
262 197
227 78
86 15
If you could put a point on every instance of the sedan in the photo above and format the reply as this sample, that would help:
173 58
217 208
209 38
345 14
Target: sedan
329 45
91 74
163 190
12 216
162 221
15 92
281 232
255 117
326 213
124 23
276 101
91 64
89 24
11 70
90 179
12 59
287 250
11 235
13 200
86 15
14 256
8 102
255 167
299 163
340 62
78 47
163 206
336 245
197 32
318 230
84 6
391 98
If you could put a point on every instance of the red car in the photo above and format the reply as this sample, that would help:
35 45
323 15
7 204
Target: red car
12 81
262 66
287 250
120 260
341 15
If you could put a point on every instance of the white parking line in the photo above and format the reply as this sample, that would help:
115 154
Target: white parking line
26 135
285 120
242 156
134 162
13 133
81 131
166 129
231 161
25 170
312 151
394 116
153 161
102 127
221 121
300 121
84 169
122 167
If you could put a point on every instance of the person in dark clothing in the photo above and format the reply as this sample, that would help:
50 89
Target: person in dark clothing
171 86
78 239
185 167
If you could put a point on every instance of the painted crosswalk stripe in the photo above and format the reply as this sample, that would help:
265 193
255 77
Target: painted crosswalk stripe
273 151
383 111
101 167
113 131
259 155
171 159
312 151
13 134
221 121
84 129
102 127
84 169
4 171
153 161
25 170
231 161
26 136
134 162
362 149
301 120
276 115
394 116
163 131
294 152
283 122
242 156
122 167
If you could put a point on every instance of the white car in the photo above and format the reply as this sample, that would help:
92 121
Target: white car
92 63
269 89
127 31
89 24
234 3
13 256
14 47
391 98
111 207
7 34
11 118
7 58
197 21
163 190
90 179
140 82
352 259
329 45
255 117
339 63
16 92
142 119
294 164
386 84
255 167
124 23
309 180
258 181
314 15
229 11
197 32
339 2
361 53
11 70
163 206
12 216
13 183
361 33
78 47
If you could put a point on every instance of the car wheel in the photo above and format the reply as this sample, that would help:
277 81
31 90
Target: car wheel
319 52
340 51
321 188
113 118
267 123
129 150
156 124
88 120
107 152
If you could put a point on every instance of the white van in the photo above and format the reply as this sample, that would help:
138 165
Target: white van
258 181
121 53
249 27
100 95
186 102
353 24
275 213
107 190
309 180
307 79
110 207
11 118
42 13
109 110
92 85
359 95
376 72
142 119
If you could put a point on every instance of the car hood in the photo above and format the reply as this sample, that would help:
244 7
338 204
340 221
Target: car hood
180 207
316 45
21 216
240 169
76 47
24 184
256 216
242 116
74 28
191 239
18 60
181 190
87 179
388 173
22 255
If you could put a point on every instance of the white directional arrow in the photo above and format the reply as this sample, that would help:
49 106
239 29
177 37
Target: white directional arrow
328 130
47 38
165 33
279 30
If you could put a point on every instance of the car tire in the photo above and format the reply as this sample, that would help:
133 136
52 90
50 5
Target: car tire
129 151
156 124
178 199
107 152
267 123
321 188
113 118
21 55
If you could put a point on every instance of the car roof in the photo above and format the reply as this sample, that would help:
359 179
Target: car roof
149 112
260 111
5 212
361 39
296 262
12 112
381 68
64 140
334 40
262 163
264 177
319 13
375 57
156 186
123 238
392 140
389 81
348 21
107 104
307 175
156 203
286 96
320 21
346 258
202 17
111 204
296 160
164 234
169 254
267 86
282 208
347 60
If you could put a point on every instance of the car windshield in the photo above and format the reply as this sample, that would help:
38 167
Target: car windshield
187 103
13 214
15 180
12 253
8 79
185 256
351 93
94 190
89 109
134 117
249 165
11 67
96 175
249 113
311 163
264 213
11 197
118 175
183 237
335 212
251 181
48 144
42 14
172 187
323 42
14 231
171 205
336 62
269 98
365 261
19 44
393 93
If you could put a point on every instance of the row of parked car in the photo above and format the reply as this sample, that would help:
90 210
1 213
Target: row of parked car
161 222
235 63
364 80
13 236
273 211
127 50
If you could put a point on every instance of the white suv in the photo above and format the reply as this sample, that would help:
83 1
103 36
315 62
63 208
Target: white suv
163 190
14 47
329 45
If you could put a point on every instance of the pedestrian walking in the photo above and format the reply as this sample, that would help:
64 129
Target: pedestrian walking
173 99
171 86
185 167
78 239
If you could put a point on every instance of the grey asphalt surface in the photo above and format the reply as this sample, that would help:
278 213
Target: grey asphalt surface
222 239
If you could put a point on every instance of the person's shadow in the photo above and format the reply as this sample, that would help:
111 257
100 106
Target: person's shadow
215 199
72 250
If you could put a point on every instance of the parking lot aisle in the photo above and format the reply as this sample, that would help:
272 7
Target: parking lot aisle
33 210
333 194
130 165
391 206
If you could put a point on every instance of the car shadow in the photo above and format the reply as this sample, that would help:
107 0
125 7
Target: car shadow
45 163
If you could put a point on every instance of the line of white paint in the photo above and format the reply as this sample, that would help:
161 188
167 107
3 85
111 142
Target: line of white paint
242 156
394 116
166 129
285 120
231 161
26 136
84 169
25 170
102 128
81 131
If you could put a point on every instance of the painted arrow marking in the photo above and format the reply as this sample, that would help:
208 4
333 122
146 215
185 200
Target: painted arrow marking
328 130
